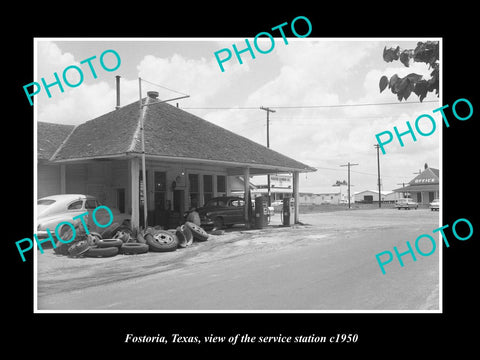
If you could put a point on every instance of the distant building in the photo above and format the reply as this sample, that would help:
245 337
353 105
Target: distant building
281 186
423 188
371 196
335 194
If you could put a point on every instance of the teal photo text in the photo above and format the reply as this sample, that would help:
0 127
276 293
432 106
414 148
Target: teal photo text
225 54
424 244
108 57
76 221
425 124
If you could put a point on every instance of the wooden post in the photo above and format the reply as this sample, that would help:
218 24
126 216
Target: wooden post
296 176
63 186
134 192
246 182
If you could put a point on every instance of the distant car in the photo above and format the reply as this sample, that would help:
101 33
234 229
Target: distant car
277 203
406 203
435 205
222 211
54 209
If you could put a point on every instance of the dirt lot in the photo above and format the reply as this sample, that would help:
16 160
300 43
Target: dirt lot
332 254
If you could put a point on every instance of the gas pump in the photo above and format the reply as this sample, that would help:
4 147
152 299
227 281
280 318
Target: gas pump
288 211
261 212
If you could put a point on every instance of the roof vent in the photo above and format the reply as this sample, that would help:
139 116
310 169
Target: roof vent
152 94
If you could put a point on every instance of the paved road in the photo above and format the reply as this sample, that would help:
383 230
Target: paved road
328 265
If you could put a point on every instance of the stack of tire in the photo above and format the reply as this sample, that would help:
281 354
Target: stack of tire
118 241
159 240
121 241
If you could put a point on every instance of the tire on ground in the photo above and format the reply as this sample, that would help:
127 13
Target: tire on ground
184 235
108 232
99 252
161 241
123 233
105 243
93 238
78 248
133 248
198 233
141 237
62 248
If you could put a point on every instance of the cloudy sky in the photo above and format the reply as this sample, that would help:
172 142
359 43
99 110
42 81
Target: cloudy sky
325 93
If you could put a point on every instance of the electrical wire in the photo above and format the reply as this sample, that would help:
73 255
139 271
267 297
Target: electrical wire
307 106
353 171
164 87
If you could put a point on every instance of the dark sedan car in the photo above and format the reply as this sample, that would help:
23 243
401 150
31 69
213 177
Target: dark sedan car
222 211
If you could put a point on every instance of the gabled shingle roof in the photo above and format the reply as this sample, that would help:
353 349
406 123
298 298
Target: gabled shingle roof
416 183
109 134
427 174
50 138
169 132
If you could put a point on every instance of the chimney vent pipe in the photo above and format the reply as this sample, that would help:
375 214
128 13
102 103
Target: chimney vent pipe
117 80
152 94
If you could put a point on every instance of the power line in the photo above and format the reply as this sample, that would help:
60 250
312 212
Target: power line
163 87
307 106
353 171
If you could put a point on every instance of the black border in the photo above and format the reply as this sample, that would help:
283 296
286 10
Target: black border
105 332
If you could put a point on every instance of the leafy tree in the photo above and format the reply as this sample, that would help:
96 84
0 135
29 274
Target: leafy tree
426 52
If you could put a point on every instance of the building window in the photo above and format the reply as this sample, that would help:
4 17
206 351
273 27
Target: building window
221 184
194 190
160 187
207 187
160 181
121 200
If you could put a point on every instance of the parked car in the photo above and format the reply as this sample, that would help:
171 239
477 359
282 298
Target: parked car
54 209
435 205
277 203
406 203
222 211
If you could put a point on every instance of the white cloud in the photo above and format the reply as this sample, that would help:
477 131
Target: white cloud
309 73
52 59
201 79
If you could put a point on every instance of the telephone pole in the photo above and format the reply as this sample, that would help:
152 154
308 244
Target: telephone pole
348 164
268 110
403 185
379 183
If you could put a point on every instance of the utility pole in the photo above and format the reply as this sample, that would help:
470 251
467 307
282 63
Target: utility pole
379 186
268 110
142 129
348 164
403 185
